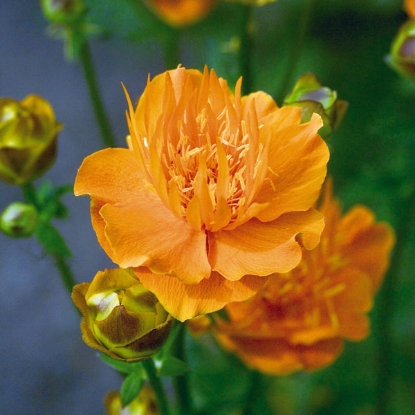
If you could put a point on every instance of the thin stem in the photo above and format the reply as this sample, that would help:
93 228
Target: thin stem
29 194
245 56
181 382
296 50
65 272
157 385
387 302
96 100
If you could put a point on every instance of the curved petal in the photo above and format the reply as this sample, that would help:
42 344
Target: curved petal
297 165
111 174
369 244
205 297
146 233
264 248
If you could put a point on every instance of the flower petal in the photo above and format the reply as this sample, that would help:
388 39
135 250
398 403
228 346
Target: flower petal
279 357
205 297
111 174
134 234
264 248
297 163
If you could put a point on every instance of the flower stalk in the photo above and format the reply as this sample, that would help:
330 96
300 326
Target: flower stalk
157 386
94 93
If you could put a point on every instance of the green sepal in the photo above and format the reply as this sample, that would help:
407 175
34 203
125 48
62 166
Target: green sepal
51 240
171 366
123 367
131 387
48 199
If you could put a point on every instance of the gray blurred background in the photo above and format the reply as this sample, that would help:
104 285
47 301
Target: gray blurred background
45 368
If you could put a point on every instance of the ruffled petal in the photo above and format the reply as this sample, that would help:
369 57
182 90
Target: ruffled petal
205 297
146 233
264 248
297 164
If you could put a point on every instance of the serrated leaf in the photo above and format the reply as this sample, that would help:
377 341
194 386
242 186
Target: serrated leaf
51 240
123 367
172 366
131 387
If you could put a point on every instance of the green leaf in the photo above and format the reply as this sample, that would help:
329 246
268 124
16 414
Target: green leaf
172 366
51 240
131 387
123 367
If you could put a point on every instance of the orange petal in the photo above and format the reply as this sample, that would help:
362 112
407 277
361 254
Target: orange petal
369 246
264 248
297 164
112 175
146 233
185 301
278 357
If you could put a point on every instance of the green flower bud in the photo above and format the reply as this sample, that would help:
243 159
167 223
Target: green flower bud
312 97
28 132
402 55
121 318
19 220
63 11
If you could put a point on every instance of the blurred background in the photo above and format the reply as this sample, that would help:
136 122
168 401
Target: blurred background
45 367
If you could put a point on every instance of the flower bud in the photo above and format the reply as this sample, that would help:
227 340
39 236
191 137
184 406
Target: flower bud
180 13
121 318
312 97
28 132
19 220
63 11
402 55
143 404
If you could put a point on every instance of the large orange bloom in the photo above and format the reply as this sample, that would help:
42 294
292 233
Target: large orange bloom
300 319
181 12
215 191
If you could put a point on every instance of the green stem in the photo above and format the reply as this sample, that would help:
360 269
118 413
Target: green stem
29 194
181 382
293 58
157 386
171 50
386 304
245 57
97 103
65 272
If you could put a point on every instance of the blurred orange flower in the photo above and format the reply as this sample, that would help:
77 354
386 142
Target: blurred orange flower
215 192
300 319
409 6
179 13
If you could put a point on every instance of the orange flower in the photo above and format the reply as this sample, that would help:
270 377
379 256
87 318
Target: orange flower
409 6
300 319
215 191
180 13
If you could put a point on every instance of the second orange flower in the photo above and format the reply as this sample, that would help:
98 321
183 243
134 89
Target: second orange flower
214 192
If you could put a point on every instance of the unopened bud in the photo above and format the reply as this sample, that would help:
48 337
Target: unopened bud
121 318
402 55
19 220
312 97
63 11
28 132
